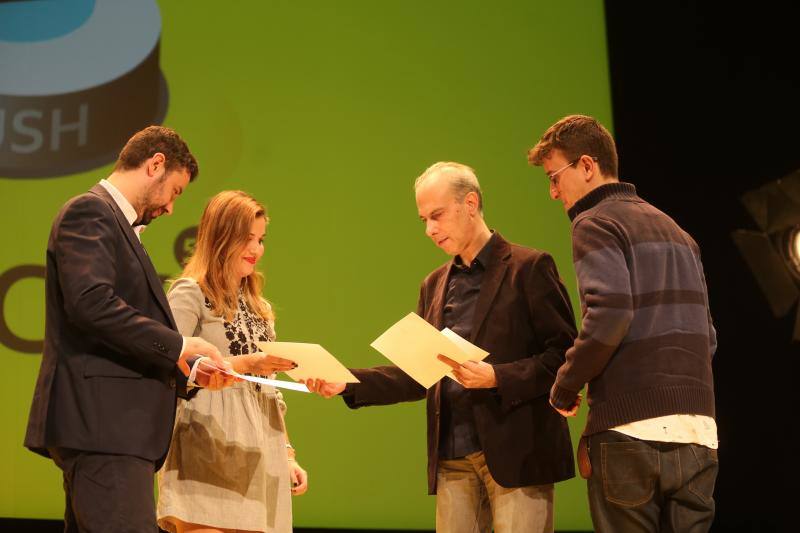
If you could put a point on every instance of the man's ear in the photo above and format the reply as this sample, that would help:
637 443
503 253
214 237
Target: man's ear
155 164
472 202
589 167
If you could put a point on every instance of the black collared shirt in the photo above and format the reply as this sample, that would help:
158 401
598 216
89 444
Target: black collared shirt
458 435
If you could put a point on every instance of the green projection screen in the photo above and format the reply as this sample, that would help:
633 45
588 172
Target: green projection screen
326 112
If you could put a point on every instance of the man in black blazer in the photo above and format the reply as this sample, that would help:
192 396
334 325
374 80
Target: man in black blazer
495 448
104 402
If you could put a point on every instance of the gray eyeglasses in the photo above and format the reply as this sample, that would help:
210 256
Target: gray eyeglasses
553 176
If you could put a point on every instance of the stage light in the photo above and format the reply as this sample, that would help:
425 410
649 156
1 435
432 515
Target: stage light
792 249
773 254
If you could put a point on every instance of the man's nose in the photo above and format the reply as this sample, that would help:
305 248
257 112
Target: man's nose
553 192
168 208
430 228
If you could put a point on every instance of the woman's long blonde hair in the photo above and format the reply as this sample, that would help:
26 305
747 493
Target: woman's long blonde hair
224 228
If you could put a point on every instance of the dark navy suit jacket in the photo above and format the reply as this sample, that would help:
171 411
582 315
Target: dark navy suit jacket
108 380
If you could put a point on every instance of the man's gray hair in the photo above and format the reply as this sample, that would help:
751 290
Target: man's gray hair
462 179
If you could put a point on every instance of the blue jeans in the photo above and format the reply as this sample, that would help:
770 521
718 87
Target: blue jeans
648 486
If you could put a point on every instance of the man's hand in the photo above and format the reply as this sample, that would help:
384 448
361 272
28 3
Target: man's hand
573 410
472 374
323 388
212 370
299 478
260 363
210 376
196 346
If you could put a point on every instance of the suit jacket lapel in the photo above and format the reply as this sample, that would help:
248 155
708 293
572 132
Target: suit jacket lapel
493 278
156 287
436 312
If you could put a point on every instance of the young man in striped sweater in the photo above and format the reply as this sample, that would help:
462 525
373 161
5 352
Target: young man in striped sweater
645 345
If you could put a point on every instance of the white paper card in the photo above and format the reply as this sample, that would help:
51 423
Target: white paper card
413 345
313 361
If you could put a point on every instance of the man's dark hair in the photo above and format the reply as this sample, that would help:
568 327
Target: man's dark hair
574 136
151 140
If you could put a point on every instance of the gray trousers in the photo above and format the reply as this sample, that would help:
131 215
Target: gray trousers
469 500
106 493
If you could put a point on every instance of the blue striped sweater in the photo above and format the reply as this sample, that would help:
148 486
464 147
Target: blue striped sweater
647 338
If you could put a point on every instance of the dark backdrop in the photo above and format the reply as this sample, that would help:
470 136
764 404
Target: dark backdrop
706 103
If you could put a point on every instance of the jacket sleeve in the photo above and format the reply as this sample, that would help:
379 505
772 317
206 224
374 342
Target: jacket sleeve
84 246
553 324
382 385
186 302
385 385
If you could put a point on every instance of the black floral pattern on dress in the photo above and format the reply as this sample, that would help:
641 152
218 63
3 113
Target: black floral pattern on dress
246 329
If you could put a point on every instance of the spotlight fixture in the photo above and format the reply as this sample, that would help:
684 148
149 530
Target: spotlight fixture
773 254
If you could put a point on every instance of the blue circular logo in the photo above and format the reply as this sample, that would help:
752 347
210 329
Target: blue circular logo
28 21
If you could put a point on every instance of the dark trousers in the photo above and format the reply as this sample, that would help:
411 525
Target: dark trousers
648 486
106 493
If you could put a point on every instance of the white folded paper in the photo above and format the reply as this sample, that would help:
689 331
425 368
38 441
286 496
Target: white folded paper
291 385
313 361
413 345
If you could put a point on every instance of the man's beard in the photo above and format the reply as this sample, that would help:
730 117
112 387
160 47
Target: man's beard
149 204
146 218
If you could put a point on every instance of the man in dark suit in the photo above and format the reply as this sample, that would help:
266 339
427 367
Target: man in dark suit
104 402
495 448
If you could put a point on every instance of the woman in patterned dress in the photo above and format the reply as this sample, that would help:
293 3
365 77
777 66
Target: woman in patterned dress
230 466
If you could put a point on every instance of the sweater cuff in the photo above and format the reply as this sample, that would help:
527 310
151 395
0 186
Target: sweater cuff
562 398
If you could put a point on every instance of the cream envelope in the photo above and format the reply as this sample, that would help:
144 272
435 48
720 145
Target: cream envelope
313 361
413 345
474 353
